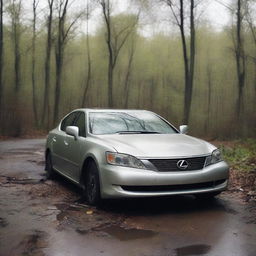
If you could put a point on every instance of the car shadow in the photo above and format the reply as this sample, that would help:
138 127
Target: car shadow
162 205
68 185
150 205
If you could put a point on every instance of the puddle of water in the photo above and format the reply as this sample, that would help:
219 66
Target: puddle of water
65 207
82 231
61 216
32 244
197 249
62 206
128 234
14 180
69 207
23 150
3 222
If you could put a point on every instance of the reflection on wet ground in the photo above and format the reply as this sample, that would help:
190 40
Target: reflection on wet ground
39 217
197 249
124 234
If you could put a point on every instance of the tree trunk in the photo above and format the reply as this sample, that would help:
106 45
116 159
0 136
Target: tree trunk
15 13
188 59
47 66
111 65
16 41
88 78
59 55
33 64
127 77
57 86
110 85
114 44
240 58
186 65
59 65
1 53
192 58
209 83
189 63
89 72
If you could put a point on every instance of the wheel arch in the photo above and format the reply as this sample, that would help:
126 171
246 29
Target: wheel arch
84 168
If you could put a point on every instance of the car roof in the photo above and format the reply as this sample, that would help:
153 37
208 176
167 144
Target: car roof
109 110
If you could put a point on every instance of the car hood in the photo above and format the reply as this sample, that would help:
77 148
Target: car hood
158 145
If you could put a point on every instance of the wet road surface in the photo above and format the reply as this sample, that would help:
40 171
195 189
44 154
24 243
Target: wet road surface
40 217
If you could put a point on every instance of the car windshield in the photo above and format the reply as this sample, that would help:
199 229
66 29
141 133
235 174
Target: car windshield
128 123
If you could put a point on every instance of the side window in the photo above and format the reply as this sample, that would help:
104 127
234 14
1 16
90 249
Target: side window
80 123
68 121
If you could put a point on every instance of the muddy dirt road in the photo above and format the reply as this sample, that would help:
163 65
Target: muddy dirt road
40 217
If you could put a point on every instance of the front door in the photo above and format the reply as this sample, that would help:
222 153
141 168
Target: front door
60 146
73 152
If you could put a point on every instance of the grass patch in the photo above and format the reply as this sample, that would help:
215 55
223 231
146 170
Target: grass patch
241 154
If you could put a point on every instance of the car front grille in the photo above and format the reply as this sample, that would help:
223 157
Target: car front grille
173 188
170 165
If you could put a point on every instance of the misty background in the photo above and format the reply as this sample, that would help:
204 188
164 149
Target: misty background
191 61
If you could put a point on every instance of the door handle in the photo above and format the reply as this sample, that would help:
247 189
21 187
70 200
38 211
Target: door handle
66 143
54 139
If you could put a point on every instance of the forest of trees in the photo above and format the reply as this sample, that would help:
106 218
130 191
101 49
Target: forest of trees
50 64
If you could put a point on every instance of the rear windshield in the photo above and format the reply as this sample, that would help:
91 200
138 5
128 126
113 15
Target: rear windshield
127 122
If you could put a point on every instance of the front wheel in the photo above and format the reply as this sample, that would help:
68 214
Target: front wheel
92 185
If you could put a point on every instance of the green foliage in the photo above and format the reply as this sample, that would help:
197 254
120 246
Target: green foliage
241 155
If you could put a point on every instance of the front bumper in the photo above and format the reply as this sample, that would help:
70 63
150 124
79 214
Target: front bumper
117 181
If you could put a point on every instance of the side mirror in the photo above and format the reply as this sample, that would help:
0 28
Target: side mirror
72 131
183 129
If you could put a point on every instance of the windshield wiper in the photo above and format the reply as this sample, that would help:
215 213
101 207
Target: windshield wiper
138 132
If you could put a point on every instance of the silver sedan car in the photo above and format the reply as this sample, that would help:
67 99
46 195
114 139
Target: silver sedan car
132 153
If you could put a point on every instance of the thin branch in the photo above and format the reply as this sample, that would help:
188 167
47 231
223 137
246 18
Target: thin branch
71 25
225 5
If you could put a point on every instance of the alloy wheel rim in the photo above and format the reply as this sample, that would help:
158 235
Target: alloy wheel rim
91 188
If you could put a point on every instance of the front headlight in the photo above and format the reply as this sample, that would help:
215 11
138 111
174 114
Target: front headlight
214 158
124 160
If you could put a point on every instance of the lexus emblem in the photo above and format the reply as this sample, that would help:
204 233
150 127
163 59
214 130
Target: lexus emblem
182 164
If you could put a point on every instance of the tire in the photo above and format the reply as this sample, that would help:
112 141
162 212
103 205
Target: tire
92 185
50 174
205 196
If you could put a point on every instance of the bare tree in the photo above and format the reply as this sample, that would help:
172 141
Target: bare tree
128 74
63 32
88 55
178 9
59 52
115 40
250 20
14 10
1 51
209 100
238 10
47 64
240 57
33 63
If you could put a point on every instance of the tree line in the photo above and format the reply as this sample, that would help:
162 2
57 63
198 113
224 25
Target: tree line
50 63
